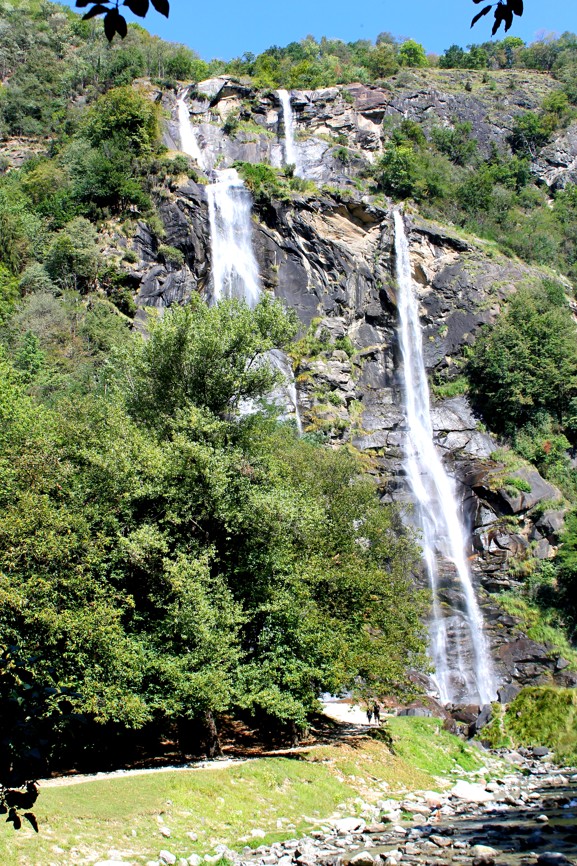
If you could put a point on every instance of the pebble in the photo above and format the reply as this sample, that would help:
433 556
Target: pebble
165 831
167 857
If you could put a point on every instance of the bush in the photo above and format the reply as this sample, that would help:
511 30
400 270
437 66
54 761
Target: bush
171 255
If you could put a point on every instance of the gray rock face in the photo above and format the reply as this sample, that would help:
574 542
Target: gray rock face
557 162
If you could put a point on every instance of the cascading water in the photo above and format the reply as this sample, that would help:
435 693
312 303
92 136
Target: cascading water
459 650
188 142
234 267
290 148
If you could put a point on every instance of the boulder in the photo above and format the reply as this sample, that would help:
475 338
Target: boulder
348 825
363 858
471 792
419 712
483 855
508 693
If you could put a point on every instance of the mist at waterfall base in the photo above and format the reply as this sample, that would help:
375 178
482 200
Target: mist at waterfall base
458 648
235 272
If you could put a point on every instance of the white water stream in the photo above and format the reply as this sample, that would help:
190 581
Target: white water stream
188 141
290 148
459 649
234 266
235 271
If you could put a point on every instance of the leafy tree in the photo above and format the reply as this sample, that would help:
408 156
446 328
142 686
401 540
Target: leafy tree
73 258
124 116
456 142
209 356
527 361
412 53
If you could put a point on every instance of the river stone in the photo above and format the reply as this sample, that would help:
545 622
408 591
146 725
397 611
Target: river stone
363 858
349 825
470 792
484 854
553 858
441 841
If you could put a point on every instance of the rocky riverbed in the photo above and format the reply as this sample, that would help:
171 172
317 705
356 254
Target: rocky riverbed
518 810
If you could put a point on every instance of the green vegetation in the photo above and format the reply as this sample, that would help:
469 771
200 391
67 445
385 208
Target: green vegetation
525 366
539 716
223 805
165 559
268 184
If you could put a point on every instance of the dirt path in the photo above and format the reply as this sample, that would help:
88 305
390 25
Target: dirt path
352 722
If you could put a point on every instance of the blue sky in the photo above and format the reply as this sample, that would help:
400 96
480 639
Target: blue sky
227 28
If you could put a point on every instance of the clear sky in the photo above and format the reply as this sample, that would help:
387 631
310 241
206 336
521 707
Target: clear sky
228 28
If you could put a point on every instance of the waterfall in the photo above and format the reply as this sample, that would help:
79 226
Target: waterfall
234 266
460 639
290 148
188 142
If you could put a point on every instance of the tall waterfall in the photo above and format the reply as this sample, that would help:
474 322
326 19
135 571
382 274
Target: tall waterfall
459 649
290 148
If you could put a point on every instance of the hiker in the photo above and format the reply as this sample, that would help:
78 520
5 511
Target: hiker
369 715
377 713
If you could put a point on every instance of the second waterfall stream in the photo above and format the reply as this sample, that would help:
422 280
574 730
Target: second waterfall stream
459 649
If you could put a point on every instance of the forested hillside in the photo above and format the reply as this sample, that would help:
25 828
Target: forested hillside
167 559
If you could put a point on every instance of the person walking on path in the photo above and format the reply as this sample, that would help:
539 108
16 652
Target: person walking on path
377 713
369 715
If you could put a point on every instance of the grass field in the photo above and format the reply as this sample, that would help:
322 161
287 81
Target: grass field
122 818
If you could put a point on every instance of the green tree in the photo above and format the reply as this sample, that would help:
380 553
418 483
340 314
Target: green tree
211 357
412 53
526 362
125 117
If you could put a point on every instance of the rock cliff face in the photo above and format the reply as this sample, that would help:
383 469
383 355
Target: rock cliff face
341 129
330 257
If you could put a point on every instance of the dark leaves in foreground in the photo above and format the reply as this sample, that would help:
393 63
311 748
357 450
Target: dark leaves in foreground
13 800
504 11
114 22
